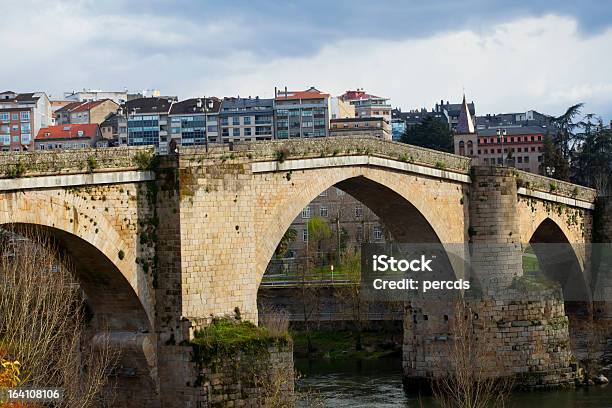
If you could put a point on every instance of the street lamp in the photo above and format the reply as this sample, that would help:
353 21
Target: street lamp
206 106
501 134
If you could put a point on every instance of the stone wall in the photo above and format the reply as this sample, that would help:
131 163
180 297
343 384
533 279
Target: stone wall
27 164
563 188
518 337
242 380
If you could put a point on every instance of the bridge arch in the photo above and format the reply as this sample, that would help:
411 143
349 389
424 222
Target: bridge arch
104 262
414 208
560 260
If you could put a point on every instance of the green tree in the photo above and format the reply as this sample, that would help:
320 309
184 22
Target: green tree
592 164
432 133
566 128
318 230
283 245
553 163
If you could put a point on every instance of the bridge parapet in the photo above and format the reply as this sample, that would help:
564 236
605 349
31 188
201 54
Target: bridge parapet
55 162
531 181
351 145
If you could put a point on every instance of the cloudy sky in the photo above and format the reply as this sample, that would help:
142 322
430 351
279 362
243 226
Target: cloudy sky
506 55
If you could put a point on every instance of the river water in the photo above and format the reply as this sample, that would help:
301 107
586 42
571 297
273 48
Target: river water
378 383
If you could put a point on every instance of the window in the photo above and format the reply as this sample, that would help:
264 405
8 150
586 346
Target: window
25 128
15 117
25 116
519 159
305 235
339 192
359 234
526 159
359 211
306 212
377 233
4 116
236 120
247 131
323 212
247 120
236 132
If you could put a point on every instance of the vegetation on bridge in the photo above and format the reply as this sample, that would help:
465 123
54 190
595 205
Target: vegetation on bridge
227 337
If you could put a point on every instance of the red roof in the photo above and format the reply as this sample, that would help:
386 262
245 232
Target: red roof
311 93
88 105
358 94
88 130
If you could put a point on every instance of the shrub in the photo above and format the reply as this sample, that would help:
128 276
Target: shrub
282 154
92 163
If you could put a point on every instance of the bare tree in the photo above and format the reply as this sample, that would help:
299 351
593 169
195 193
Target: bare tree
465 379
42 323
350 293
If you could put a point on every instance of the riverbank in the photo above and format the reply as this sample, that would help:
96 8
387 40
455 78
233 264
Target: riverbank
341 344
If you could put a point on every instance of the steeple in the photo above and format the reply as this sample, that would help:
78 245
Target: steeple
465 124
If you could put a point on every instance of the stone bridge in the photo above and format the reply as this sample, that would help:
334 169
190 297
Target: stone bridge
161 244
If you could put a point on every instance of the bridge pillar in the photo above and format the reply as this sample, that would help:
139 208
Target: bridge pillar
494 228
505 328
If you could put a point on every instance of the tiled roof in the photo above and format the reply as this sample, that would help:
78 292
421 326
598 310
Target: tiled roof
190 106
358 95
68 108
89 105
149 105
67 132
311 93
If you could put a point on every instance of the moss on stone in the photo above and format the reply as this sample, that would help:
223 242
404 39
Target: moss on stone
228 337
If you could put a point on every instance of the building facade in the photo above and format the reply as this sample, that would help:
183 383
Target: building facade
350 221
367 105
21 117
194 120
521 147
301 113
246 119
85 112
144 121
72 136
514 146
370 127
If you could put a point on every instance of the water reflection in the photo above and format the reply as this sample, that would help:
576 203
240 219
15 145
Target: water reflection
377 383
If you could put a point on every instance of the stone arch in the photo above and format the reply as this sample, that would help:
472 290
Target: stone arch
105 264
415 208
560 261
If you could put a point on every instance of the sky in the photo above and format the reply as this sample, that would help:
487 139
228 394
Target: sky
507 56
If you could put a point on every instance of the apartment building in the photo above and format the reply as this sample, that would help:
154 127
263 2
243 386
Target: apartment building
515 146
516 119
90 95
520 147
21 117
72 136
243 119
368 105
370 127
350 221
341 109
144 121
85 112
194 120
301 113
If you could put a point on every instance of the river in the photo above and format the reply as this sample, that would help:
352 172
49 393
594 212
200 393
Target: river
378 383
